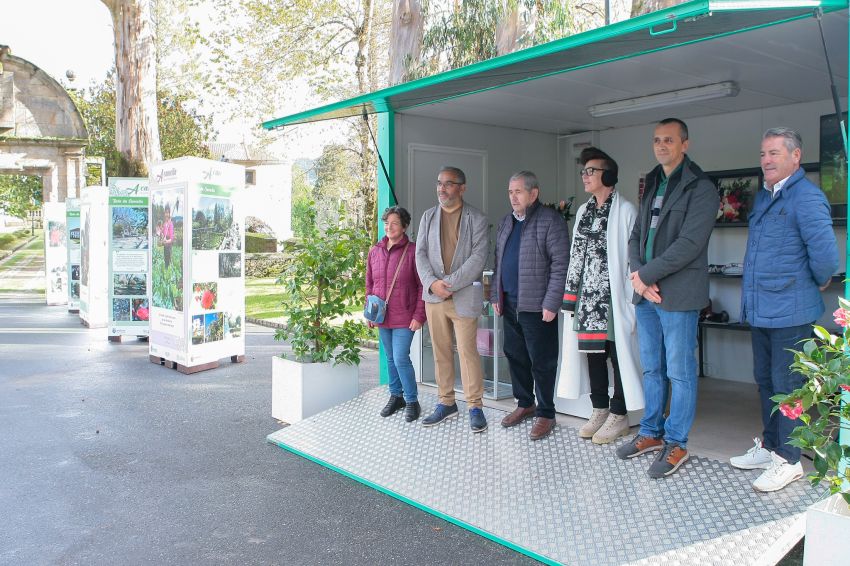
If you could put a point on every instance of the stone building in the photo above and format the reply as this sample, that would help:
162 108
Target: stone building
41 130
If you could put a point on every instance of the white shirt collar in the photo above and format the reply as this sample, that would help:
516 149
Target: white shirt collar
518 217
778 186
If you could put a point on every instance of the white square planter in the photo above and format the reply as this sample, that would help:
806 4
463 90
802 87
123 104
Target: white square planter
827 533
302 390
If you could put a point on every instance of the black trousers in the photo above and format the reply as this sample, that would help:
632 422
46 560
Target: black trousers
597 365
531 347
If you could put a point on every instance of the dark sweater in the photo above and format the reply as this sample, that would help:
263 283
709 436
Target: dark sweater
510 263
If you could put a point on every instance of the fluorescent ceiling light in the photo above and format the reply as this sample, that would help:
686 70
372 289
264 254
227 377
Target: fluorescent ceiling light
664 99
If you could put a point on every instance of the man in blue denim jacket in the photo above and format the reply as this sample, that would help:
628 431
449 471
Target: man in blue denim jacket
791 257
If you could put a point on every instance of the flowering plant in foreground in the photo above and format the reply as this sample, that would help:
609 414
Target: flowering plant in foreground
824 361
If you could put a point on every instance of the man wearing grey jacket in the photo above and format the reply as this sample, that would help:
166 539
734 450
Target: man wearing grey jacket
668 259
450 255
532 255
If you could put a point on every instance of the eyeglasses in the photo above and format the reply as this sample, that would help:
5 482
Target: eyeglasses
589 171
448 184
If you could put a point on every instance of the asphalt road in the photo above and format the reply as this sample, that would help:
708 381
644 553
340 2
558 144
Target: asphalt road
106 458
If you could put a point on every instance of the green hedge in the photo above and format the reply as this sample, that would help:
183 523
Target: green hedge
259 243
12 239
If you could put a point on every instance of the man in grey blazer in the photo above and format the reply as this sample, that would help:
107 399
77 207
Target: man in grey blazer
668 259
450 255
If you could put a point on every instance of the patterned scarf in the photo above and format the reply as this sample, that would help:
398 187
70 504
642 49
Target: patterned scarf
587 292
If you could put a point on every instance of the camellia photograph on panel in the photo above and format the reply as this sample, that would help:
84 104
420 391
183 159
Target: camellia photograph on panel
141 310
167 253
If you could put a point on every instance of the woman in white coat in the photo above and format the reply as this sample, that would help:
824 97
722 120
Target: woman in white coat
597 301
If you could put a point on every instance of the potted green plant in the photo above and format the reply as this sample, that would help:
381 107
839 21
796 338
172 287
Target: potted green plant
324 281
824 361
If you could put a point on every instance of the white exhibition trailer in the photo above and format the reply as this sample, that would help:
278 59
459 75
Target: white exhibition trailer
532 110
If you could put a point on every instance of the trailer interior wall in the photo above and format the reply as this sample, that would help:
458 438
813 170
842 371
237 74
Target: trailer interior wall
719 142
491 154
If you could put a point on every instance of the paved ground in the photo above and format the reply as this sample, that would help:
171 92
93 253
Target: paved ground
106 458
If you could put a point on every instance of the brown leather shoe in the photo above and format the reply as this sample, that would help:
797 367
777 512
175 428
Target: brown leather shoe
518 415
542 428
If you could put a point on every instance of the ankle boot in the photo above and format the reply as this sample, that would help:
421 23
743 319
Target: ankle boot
594 423
411 411
393 405
615 426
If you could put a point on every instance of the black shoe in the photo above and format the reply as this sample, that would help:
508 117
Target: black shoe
411 411
393 405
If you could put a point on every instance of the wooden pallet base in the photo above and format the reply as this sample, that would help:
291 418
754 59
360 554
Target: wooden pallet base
192 369
117 339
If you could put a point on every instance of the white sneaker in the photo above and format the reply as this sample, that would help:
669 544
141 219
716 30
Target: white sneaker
778 475
756 458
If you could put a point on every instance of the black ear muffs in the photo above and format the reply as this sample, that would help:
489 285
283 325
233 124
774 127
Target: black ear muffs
609 178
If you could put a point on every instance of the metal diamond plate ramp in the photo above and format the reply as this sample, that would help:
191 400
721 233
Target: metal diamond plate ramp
591 507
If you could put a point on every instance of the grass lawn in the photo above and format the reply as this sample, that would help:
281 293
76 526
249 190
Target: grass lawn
262 298
23 270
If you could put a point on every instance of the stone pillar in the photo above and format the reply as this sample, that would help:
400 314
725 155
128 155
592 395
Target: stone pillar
74 173
50 184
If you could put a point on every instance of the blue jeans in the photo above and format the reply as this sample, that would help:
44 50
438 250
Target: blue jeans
668 342
773 375
396 343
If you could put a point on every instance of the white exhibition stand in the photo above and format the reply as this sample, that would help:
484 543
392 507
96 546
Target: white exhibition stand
129 243
55 253
94 254
72 241
197 290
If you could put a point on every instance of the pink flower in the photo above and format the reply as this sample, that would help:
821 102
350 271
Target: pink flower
840 316
845 387
208 299
790 412
142 313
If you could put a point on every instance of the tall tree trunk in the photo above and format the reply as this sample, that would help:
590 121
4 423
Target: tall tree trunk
405 38
361 62
641 7
136 128
508 31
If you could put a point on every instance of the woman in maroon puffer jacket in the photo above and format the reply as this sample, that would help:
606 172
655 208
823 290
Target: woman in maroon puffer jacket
405 308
